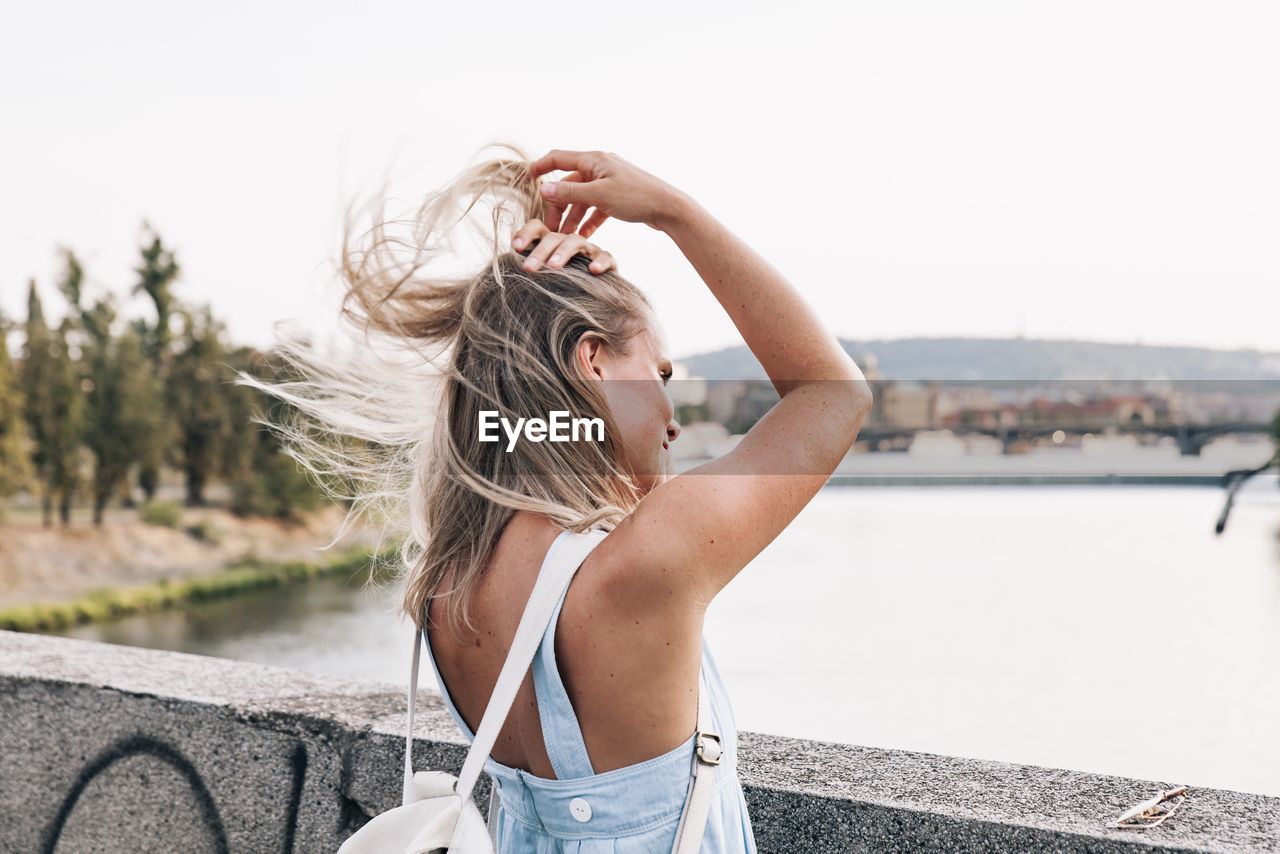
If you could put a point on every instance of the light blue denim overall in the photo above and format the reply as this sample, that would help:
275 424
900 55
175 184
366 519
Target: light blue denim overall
630 810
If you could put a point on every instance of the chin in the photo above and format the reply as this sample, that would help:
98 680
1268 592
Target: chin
653 472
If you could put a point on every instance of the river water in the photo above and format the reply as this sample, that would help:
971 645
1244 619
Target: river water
1097 628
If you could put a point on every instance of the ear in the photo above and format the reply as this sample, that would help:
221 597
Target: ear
591 356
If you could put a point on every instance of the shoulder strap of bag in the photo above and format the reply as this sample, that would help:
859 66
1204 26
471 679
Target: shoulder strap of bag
408 796
565 556
419 638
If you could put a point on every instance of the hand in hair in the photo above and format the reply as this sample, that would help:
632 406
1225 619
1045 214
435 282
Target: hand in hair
606 182
555 249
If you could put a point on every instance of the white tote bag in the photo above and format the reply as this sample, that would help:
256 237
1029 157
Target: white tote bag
438 814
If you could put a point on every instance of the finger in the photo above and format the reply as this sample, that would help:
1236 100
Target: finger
573 218
602 263
597 219
529 232
552 214
561 160
573 244
556 207
548 244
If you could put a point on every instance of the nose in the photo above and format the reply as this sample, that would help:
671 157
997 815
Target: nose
673 430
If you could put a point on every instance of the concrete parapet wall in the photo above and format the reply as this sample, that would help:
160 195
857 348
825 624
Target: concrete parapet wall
107 748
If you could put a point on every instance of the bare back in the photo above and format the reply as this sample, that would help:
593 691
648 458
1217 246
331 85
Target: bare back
631 672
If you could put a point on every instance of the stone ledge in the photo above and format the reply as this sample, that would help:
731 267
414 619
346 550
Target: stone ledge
111 748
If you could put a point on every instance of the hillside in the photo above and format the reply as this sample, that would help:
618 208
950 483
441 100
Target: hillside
986 359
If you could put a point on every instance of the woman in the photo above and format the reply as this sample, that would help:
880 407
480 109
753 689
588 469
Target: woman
550 326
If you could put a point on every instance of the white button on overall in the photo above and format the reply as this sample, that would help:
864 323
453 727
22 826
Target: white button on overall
580 809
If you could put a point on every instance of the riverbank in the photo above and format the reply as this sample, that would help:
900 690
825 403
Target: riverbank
943 459
41 565
160 557
242 577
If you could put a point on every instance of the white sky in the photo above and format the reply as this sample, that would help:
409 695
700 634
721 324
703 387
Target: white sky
1104 170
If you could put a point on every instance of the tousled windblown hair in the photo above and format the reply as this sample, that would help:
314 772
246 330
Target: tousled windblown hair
392 427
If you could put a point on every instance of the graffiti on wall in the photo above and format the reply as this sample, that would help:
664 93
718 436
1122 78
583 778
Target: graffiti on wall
157 750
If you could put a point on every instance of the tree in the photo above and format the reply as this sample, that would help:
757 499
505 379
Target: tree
66 424
157 273
15 461
65 407
122 407
39 355
265 481
197 400
243 404
122 394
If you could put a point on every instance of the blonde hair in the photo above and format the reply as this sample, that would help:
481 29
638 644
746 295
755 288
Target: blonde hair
393 427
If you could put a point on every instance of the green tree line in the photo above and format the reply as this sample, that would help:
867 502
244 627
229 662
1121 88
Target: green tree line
96 406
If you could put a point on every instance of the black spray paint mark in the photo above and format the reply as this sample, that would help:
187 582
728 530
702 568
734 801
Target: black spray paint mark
295 797
141 745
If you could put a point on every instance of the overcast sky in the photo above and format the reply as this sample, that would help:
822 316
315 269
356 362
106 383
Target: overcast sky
1104 171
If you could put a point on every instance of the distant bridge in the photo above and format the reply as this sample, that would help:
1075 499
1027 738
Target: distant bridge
1191 438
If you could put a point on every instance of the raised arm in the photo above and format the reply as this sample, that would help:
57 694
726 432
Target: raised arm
778 326
692 534
712 520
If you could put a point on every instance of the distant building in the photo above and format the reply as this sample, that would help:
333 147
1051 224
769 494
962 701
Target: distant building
906 403
702 440
1116 409
738 404
686 389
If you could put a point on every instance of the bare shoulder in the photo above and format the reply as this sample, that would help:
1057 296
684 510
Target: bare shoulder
623 607
625 577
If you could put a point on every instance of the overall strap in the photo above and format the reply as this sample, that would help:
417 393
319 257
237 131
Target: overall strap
566 554
561 732
706 758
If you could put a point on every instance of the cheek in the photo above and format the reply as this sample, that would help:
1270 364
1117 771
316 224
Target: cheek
641 412
657 408
628 408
